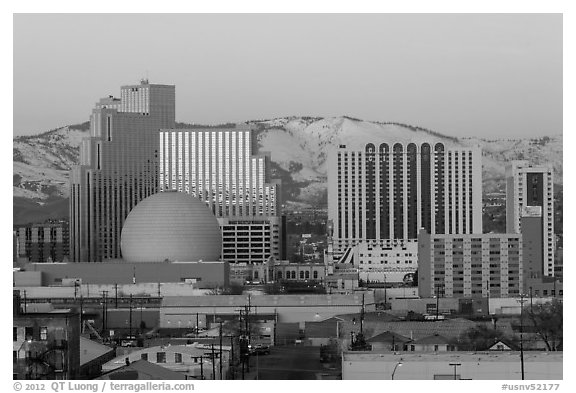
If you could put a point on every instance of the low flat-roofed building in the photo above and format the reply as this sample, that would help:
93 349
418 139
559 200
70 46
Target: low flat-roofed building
209 274
538 365
284 308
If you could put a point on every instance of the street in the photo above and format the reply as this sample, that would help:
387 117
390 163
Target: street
289 362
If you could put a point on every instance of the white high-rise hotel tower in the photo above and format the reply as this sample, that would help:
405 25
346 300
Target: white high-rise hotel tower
390 191
217 166
529 198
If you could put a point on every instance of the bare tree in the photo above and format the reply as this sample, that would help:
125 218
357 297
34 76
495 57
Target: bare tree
547 319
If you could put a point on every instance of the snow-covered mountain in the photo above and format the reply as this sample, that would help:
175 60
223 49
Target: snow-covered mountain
298 147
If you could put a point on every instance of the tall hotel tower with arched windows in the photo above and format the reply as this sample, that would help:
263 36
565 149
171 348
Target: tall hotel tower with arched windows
390 191
118 167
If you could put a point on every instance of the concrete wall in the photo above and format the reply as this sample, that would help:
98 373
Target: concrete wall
27 279
424 306
512 305
395 293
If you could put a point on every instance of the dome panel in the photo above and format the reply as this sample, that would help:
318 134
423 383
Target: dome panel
171 226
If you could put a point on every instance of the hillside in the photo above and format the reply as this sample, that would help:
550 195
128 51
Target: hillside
298 148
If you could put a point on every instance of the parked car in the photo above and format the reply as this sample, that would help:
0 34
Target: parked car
195 332
259 349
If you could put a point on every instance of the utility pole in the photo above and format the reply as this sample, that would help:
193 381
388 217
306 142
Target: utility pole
522 300
116 295
81 313
385 297
362 316
437 301
197 324
213 363
221 349
104 310
201 367
130 334
247 319
231 361
241 341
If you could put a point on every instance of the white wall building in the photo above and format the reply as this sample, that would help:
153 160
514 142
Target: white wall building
529 193
492 365
391 191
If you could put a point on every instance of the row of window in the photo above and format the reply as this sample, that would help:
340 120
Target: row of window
292 275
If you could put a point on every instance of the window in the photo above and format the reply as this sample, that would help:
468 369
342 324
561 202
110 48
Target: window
144 356
29 332
160 357
44 333
315 274
14 333
177 358
301 275
435 347
307 274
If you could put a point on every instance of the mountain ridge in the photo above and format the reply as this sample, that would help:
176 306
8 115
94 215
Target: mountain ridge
298 146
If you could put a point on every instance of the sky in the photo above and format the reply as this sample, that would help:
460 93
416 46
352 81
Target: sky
487 75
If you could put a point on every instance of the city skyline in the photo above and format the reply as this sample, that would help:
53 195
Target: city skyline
227 214
409 68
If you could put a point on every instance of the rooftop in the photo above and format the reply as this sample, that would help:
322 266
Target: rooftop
449 328
388 337
142 370
489 356
433 339
267 300
91 350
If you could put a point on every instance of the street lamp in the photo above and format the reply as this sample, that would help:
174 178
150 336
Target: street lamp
455 366
399 364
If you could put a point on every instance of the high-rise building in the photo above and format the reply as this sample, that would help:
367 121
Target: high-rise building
465 265
390 191
48 242
530 211
118 167
217 166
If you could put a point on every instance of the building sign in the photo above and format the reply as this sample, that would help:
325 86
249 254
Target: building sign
532 211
